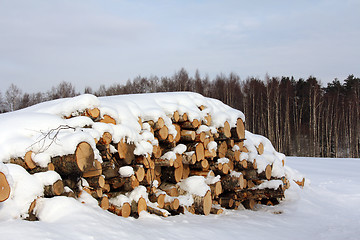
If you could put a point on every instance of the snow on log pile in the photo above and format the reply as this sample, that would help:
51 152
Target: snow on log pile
163 153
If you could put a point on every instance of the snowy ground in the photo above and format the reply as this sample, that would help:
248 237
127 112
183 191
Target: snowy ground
327 208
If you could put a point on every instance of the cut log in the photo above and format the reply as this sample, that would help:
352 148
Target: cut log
187 135
123 183
104 202
158 198
222 149
190 125
95 170
203 204
207 120
124 210
260 149
162 133
108 119
137 207
4 188
230 183
96 182
178 134
200 137
239 131
216 210
170 189
186 171
175 117
93 113
157 152
216 189
225 132
26 162
199 150
203 173
189 158
106 138
162 162
139 172
56 189
75 164
171 175
158 124
126 151
110 170
95 193
157 211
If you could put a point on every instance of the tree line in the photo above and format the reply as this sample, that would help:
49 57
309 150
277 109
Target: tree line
299 116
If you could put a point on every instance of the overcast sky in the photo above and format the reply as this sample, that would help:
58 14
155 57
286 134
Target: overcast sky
93 42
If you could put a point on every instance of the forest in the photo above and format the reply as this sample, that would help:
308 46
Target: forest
299 116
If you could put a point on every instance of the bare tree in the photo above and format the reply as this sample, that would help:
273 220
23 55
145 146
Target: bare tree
12 98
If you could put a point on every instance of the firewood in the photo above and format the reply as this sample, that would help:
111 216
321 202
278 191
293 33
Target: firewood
187 135
186 171
224 132
126 151
222 149
170 189
110 170
158 198
162 133
207 120
216 189
258 194
230 183
203 204
199 150
157 151
227 202
31 213
108 119
200 137
137 207
178 161
162 162
95 193
139 172
190 125
203 173
175 117
209 154
233 155
171 175
158 124
93 113
105 139
124 183
25 162
178 133
189 158
4 188
55 189
260 149
203 164
149 177
95 170
37 169
216 210
301 183
124 210
104 202
96 182
239 131
75 164
106 188
159 212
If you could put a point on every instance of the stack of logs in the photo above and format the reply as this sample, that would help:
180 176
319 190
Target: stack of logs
160 174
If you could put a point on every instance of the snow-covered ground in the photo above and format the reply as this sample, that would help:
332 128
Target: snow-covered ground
327 208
